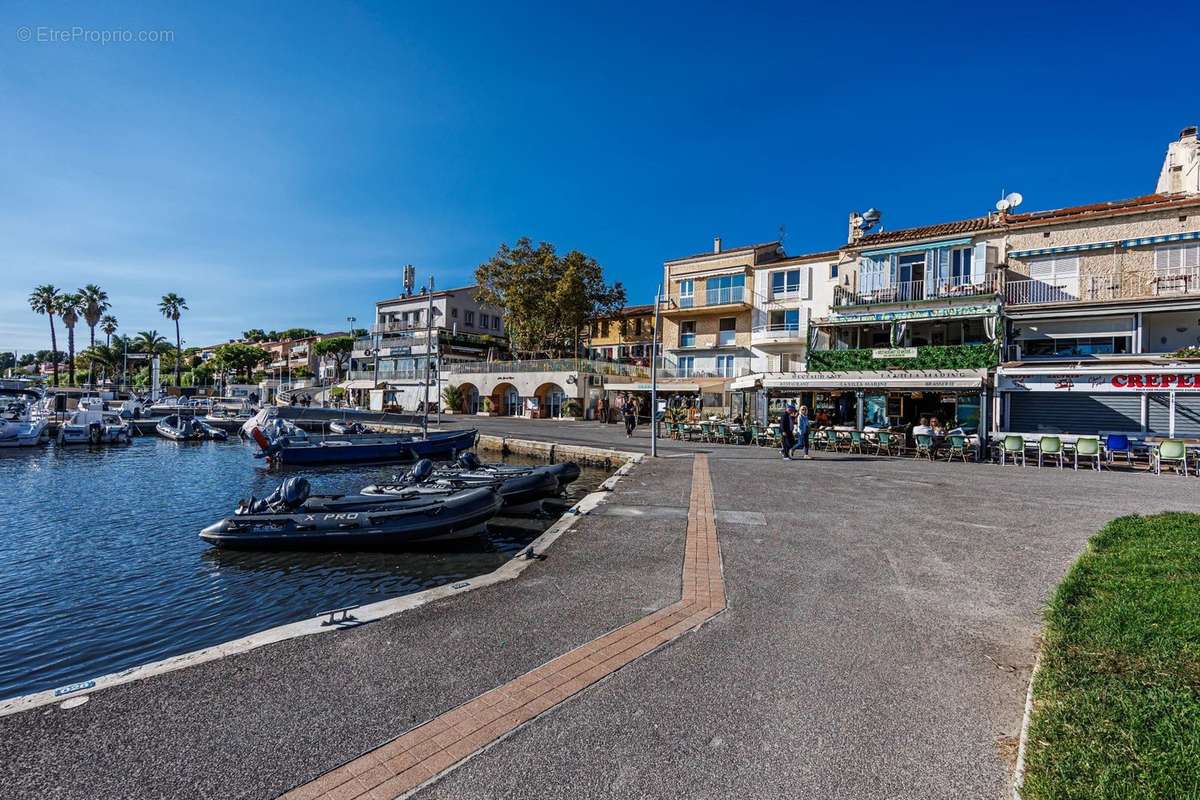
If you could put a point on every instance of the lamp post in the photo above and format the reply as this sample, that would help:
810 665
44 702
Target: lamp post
428 336
654 375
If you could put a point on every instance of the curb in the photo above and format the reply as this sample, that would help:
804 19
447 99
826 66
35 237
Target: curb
507 571
1018 779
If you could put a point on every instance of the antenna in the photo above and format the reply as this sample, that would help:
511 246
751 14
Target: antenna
782 233
409 278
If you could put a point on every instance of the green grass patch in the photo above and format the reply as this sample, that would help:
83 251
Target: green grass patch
1117 699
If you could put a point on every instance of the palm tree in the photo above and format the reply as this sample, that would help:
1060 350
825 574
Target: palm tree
108 324
95 303
69 308
44 300
107 357
172 307
148 342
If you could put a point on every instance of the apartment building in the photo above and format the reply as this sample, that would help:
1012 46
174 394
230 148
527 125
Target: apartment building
626 336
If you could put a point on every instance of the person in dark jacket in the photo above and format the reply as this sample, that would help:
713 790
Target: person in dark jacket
787 427
630 414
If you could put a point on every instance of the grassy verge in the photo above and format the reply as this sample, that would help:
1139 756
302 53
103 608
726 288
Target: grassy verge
1117 698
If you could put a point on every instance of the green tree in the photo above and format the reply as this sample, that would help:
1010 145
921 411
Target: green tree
44 300
546 299
297 333
95 303
108 324
149 342
338 349
70 306
239 358
453 397
8 360
105 357
254 335
172 307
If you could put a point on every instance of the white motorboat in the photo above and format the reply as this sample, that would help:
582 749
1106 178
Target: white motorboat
166 405
273 426
17 427
94 427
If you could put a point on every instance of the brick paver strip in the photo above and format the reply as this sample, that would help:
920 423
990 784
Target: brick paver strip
431 749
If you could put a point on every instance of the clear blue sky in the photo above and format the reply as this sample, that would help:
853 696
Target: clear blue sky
278 163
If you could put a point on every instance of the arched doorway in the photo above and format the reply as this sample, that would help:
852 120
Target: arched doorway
470 398
551 399
506 400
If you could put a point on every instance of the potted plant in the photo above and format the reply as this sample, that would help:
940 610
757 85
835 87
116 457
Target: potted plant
485 407
452 399
572 409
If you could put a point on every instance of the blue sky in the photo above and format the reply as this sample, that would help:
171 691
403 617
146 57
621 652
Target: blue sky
278 163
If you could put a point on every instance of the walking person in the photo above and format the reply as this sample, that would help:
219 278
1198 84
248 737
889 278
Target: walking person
787 427
630 410
802 426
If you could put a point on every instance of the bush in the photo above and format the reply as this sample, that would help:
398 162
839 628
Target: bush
571 408
486 405
960 356
453 397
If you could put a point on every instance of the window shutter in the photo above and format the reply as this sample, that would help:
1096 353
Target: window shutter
806 283
979 262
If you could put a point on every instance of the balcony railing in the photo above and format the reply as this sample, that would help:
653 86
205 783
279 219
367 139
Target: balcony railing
915 291
546 365
388 375
1094 287
780 330
724 296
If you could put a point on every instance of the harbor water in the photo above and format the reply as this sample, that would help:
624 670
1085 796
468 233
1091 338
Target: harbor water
101 567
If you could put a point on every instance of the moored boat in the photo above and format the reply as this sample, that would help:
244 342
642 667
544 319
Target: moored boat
188 429
344 428
290 518
94 427
522 493
17 427
377 448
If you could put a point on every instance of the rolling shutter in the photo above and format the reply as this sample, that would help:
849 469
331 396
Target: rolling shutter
1187 414
1044 412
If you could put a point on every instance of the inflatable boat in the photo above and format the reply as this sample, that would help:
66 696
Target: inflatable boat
291 519
521 493
344 428
188 429
468 464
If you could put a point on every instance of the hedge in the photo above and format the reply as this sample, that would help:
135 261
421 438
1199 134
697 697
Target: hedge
959 356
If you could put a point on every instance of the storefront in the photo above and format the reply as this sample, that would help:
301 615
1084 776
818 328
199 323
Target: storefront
695 397
891 399
1160 399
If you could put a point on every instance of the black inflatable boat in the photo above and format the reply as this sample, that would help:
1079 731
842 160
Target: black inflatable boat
188 429
521 492
291 519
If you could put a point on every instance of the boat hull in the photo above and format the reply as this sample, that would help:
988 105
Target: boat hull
437 446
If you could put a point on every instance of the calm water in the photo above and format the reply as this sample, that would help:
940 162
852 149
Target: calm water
101 567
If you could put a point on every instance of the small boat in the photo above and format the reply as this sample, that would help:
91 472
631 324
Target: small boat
94 427
17 427
188 429
272 425
378 448
290 518
344 428
468 464
522 492
166 405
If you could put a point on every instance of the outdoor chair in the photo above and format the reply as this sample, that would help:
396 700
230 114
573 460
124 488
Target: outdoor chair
924 446
956 445
1173 451
706 432
831 440
1050 447
1118 443
1087 447
1013 446
856 442
884 442
724 434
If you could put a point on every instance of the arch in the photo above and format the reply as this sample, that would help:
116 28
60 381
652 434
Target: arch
506 400
551 399
470 399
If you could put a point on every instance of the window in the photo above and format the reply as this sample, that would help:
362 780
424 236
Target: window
960 266
454 313
726 331
687 293
687 333
595 329
785 283
725 289
469 318
1081 346
874 273
833 271
725 366
687 365
484 322
637 327
1059 273
787 320
604 327
1177 256
496 322
910 268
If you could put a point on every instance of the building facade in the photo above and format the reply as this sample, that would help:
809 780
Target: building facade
624 337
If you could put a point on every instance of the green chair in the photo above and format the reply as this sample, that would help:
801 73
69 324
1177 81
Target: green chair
1012 446
924 446
1087 447
831 440
706 432
1173 451
884 442
1050 447
956 445
856 442
724 433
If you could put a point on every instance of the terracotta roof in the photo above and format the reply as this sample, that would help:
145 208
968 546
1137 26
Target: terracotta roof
633 311
1148 202
926 232
807 256
726 251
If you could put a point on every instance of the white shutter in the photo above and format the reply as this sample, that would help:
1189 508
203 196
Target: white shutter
979 263
806 279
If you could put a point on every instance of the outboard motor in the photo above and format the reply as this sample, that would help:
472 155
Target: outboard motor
421 471
470 461
289 496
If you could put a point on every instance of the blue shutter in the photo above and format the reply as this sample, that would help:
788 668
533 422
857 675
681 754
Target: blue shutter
978 262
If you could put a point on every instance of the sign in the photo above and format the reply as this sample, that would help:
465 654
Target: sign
976 310
1092 382
74 687
894 352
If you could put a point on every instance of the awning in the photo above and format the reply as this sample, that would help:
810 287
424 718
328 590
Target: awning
1068 248
913 248
744 382
663 386
1167 237
891 379
361 383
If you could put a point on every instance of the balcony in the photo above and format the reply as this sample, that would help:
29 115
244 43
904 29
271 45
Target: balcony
920 291
780 337
727 299
546 365
1099 287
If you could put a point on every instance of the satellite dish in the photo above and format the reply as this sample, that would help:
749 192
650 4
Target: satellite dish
871 216
1015 199
1002 204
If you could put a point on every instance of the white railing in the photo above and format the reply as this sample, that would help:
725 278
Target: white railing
911 291
546 365
728 295
780 330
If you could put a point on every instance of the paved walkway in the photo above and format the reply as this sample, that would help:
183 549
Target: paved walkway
880 627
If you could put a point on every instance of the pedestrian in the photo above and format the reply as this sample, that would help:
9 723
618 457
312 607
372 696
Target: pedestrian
801 427
787 427
630 411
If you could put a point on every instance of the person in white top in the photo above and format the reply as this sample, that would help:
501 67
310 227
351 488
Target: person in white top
923 427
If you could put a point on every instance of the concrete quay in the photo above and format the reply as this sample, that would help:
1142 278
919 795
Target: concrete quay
866 630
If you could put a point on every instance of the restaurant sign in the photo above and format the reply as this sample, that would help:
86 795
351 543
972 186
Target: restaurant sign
894 352
1101 382
974 310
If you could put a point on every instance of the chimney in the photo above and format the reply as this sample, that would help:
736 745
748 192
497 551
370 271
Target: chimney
1181 167
855 230
716 244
